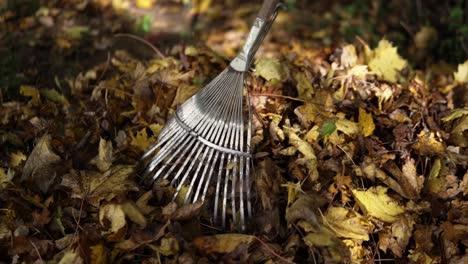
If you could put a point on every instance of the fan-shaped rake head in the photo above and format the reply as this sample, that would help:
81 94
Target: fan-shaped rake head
203 150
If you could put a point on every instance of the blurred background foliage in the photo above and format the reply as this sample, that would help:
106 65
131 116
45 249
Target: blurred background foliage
42 40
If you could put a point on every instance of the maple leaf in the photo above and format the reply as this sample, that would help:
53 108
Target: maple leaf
96 186
386 62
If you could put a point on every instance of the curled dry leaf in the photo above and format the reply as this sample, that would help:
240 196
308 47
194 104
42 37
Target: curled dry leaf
223 243
39 166
103 160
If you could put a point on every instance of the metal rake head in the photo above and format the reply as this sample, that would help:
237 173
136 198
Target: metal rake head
203 150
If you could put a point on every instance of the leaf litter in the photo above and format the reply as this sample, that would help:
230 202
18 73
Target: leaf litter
360 155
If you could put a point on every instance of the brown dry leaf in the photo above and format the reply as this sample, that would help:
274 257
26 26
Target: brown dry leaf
168 246
386 62
98 254
426 144
459 133
39 166
397 240
346 223
142 203
375 202
187 211
304 87
412 183
95 186
5 177
366 124
222 243
103 160
112 219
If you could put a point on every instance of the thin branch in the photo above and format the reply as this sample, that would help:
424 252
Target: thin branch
147 43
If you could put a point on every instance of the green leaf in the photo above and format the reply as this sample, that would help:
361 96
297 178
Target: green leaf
328 127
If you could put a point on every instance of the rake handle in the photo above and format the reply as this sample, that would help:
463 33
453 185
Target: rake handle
268 8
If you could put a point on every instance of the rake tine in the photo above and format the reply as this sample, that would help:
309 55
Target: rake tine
205 143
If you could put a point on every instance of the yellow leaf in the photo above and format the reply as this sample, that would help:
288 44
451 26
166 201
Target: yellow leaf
348 127
184 92
115 216
169 246
461 75
348 224
303 86
96 186
455 114
375 202
104 159
386 62
366 124
71 257
305 149
426 144
222 243
132 211
270 69
16 158
141 140
144 4
5 177
32 92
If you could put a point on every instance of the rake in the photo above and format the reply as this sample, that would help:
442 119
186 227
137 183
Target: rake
204 148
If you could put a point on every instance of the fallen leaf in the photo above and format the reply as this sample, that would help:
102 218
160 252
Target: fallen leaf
16 158
141 140
133 213
461 75
32 92
270 69
112 219
39 165
168 246
307 151
375 202
104 159
71 256
222 243
303 86
96 186
386 62
398 239
5 177
366 124
98 254
426 144
348 127
348 224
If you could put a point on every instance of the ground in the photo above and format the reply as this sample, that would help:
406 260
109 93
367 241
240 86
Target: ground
360 131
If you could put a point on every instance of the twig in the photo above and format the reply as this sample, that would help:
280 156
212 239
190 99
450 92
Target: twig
37 250
278 95
272 251
147 43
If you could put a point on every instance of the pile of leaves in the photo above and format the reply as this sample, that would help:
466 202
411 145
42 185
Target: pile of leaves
359 157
